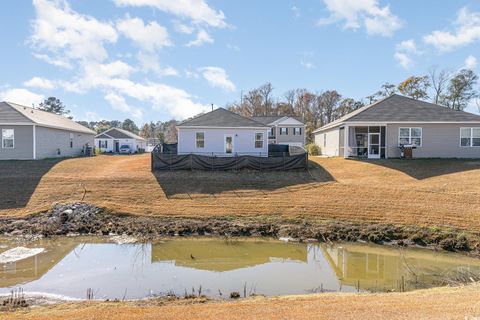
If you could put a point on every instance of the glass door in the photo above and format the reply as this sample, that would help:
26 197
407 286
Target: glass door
374 145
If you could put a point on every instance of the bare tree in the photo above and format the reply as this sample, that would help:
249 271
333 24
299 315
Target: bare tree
439 81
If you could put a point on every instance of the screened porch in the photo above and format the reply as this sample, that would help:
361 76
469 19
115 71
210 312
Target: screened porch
364 141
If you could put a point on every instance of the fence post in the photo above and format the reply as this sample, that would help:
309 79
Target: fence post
170 160
236 161
212 161
191 160
283 161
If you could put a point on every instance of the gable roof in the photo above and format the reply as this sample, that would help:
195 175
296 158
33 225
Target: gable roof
48 119
221 118
398 108
272 120
117 133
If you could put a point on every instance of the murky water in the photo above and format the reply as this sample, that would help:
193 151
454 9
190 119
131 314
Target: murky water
69 266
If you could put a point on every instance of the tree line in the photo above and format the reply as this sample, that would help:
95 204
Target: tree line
453 90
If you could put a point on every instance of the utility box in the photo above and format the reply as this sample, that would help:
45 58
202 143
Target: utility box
406 151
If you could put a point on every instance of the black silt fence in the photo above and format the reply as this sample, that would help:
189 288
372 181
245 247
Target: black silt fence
169 161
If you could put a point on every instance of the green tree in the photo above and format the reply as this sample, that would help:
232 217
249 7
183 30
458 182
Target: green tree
461 90
54 105
129 125
415 87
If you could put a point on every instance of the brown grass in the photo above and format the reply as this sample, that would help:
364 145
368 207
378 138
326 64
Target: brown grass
420 192
440 303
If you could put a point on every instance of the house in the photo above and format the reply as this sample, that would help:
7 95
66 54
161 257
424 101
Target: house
380 130
222 133
114 138
284 130
28 133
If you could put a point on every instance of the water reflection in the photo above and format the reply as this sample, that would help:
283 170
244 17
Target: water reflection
71 265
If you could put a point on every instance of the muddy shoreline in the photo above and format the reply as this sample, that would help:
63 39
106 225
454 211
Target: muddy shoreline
86 219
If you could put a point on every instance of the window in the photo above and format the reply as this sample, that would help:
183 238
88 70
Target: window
470 137
8 138
258 140
272 132
103 144
297 131
200 139
410 136
71 140
283 131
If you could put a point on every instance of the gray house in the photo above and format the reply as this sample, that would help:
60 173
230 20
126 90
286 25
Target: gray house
381 129
284 130
28 133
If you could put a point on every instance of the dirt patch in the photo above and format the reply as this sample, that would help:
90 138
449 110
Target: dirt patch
85 219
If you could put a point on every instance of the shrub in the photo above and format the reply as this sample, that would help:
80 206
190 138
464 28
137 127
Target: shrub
313 149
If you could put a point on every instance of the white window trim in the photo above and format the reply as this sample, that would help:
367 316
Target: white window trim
225 143
3 145
200 148
410 135
471 137
286 131
295 129
255 140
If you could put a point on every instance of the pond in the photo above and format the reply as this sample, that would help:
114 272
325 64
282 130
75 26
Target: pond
217 267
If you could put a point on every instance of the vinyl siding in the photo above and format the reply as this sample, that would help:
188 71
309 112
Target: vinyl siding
243 141
23 143
133 143
290 137
10 115
49 141
439 141
332 146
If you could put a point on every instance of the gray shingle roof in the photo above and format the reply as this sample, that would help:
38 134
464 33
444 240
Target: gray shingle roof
118 133
49 119
397 108
221 118
270 119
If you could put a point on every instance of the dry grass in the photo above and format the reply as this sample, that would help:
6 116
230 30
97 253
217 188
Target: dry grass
441 303
420 192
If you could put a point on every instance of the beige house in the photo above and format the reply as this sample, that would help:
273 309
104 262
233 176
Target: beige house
384 128
284 130
29 134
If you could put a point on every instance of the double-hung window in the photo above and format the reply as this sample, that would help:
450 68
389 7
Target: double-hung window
71 140
297 131
200 140
283 131
258 140
103 144
411 136
8 138
470 137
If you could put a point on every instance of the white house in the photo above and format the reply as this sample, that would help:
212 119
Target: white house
222 133
284 130
113 139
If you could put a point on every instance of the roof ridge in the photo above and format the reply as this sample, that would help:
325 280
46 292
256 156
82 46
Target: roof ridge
218 109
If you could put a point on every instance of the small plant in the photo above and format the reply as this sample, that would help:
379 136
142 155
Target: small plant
235 295
16 299
313 149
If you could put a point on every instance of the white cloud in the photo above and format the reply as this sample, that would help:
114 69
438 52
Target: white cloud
118 103
21 96
307 65
405 50
470 62
149 37
41 83
58 62
202 37
403 59
217 77
357 13
466 31
149 62
196 10
68 34
182 28
296 12
233 47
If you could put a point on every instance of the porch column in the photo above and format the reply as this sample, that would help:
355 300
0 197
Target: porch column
346 134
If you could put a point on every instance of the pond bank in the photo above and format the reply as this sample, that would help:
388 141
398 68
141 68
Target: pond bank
83 219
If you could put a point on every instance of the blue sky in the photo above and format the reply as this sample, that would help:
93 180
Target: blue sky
152 60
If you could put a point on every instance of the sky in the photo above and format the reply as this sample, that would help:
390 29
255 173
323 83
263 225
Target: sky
154 60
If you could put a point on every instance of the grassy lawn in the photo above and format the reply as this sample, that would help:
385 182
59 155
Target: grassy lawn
439 303
421 192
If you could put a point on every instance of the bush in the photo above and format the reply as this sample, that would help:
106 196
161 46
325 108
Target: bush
313 149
